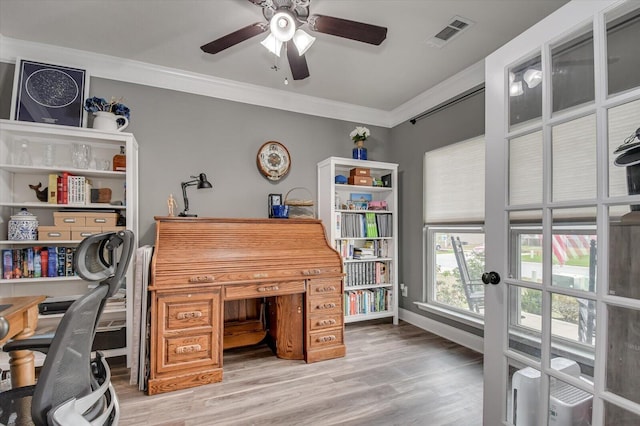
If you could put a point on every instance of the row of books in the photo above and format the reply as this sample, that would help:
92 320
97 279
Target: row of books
66 188
366 273
367 301
356 249
37 262
364 225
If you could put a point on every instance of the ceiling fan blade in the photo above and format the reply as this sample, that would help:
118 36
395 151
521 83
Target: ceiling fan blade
353 30
234 38
297 63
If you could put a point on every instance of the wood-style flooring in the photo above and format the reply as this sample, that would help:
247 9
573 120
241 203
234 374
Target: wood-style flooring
392 375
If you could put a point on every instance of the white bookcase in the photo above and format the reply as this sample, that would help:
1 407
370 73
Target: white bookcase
52 145
371 282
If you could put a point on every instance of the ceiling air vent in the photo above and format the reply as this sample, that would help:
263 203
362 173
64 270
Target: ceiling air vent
454 28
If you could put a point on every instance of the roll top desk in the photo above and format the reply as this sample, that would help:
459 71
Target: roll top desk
223 283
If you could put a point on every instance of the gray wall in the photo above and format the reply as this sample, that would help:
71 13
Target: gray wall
458 122
181 134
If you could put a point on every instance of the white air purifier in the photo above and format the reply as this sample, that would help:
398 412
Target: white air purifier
525 396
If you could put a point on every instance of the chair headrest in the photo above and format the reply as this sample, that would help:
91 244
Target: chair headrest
98 258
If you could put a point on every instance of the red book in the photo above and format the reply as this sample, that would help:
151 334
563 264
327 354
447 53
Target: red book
44 261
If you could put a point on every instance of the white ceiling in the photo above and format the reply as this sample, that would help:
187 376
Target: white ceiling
170 33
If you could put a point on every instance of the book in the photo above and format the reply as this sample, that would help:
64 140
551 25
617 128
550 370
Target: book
44 261
53 188
52 265
7 264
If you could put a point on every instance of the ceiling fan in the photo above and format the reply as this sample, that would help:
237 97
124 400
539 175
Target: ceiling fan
284 19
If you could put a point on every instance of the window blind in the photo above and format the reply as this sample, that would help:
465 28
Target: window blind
454 183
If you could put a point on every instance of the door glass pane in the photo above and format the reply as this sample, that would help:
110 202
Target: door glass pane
574 159
525 321
458 272
624 246
573 320
525 169
624 122
616 416
572 72
569 405
623 361
525 91
623 32
523 395
574 249
525 251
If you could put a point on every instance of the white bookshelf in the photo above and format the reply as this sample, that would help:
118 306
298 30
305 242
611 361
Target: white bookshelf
15 194
343 225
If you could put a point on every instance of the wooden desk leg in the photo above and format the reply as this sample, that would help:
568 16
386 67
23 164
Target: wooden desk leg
23 371
21 363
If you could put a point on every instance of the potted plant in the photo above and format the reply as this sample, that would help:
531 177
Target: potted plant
112 115
358 136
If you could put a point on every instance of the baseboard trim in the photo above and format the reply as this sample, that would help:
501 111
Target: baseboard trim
456 335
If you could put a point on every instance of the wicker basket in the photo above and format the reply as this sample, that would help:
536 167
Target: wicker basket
300 208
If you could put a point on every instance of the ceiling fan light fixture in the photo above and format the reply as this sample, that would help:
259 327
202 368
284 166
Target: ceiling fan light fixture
515 88
272 44
532 77
303 41
283 26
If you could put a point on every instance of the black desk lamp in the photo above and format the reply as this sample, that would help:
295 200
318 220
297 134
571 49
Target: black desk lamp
202 182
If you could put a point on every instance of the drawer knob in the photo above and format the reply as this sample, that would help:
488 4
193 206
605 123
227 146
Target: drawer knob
325 289
269 288
325 339
188 349
327 306
201 279
189 314
261 275
312 272
327 322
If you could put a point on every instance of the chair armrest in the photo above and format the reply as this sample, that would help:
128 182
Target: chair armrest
38 343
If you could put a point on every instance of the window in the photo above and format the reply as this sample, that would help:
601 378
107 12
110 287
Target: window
453 237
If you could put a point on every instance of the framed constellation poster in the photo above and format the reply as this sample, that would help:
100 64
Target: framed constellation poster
46 93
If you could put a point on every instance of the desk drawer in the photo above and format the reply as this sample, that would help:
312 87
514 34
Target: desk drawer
324 287
325 305
265 289
320 322
320 339
183 351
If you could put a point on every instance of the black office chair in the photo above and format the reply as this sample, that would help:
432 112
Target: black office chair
72 388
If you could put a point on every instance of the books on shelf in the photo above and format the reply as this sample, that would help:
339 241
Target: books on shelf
365 225
38 262
361 302
67 188
367 273
367 249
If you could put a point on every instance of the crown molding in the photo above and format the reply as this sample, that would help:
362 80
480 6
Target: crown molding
448 89
130 71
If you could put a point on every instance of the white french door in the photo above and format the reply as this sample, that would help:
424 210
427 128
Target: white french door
562 325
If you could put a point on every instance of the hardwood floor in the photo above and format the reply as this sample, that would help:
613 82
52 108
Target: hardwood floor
392 375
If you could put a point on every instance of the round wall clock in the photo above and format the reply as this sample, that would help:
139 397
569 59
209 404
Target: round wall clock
273 160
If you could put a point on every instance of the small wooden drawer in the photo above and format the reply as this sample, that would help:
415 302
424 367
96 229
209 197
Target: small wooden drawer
197 313
320 322
180 351
101 219
320 339
266 289
68 219
84 231
53 233
324 287
325 305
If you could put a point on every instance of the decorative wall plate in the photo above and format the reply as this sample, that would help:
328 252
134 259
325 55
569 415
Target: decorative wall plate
273 160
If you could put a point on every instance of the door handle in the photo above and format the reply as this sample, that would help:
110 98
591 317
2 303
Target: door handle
491 278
